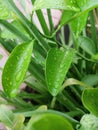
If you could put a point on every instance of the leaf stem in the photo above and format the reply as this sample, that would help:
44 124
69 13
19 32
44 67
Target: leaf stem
53 102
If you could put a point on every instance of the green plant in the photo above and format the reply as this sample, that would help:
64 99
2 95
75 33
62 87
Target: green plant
88 122
60 71
17 72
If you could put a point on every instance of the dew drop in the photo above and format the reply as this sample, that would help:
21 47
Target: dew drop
7 79
61 66
18 76
54 92
13 92
56 85
10 83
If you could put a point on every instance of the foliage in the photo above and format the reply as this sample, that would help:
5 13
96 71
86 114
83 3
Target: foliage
61 75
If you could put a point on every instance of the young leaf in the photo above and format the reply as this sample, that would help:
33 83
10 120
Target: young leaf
56 4
90 100
48 121
57 64
16 67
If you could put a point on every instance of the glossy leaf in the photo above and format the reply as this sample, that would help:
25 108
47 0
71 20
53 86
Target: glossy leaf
16 67
89 5
56 4
90 100
57 64
85 6
66 17
78 24
87 45
48 121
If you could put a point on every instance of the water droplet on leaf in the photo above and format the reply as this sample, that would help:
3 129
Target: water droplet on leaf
18 76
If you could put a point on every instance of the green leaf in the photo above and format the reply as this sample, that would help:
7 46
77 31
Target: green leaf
10 120
66 16
88 122
78 24
85 6
6 115
39 54
31 28
6 33
48 121
56 4
95 57
91 79
15 32
87 45
16 67
18 122
5 10
90 100
57 65
72 81
89 5
81 3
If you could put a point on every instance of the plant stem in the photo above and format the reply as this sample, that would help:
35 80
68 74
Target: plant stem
93 28
53 102
77 71
50 20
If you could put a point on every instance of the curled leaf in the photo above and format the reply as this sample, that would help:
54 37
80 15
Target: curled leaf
90 100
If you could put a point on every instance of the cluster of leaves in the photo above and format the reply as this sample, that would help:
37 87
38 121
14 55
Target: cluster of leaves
62 74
